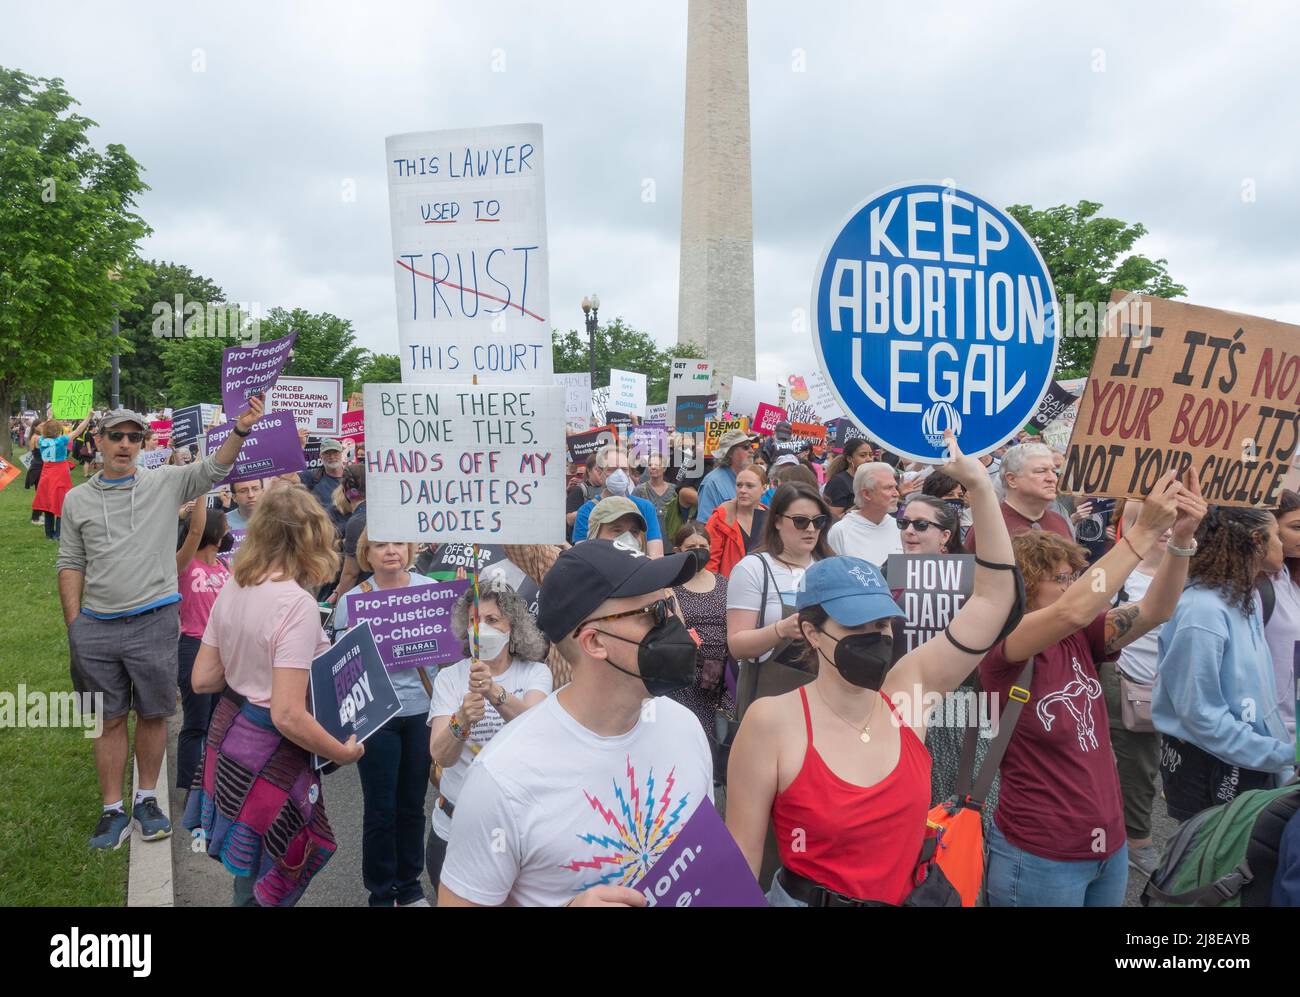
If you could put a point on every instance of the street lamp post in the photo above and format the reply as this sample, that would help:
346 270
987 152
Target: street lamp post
114 274
591 309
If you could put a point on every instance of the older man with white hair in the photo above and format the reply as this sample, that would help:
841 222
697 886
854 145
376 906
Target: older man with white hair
1029 475
869 530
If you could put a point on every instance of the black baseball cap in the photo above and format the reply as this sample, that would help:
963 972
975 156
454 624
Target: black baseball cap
587 574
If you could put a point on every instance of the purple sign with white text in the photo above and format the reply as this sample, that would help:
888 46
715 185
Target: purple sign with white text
412 625
271 448
247 370
703 867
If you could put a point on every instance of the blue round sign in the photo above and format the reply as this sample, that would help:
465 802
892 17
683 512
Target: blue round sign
932 309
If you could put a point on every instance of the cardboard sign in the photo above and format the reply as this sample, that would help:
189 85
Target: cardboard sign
470 257
1180 386
582 445
162 431
688 377
715 429
691 412
930 589
71 400
354 427
465 463
747 396
187 424
577 400
411 625
8 472
356 401
1055 404
932 310
626 392
351 692
271 448
316 402
766 418
248 370
150 459
702 866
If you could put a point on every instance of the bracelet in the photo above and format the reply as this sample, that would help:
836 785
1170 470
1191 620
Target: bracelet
1173 548
1131 547
457 731
500 701
241 432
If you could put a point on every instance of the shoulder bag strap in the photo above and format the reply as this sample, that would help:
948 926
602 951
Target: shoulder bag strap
1019 696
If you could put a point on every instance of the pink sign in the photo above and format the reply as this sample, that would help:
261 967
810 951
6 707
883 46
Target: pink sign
354 427
162 431
766 418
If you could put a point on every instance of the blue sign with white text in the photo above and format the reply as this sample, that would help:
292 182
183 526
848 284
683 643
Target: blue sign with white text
932 309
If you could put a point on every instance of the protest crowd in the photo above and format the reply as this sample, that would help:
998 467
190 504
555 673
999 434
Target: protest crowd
816 635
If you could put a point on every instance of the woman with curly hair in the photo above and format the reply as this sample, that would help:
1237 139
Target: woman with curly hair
1282 627
1216 699
1058 837
476 697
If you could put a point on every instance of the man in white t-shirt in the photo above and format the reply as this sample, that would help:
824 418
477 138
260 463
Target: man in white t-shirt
869 531
573 802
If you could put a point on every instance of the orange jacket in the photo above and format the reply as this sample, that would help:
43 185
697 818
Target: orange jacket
726 541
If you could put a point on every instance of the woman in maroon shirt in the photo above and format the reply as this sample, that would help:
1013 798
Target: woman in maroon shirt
1058 837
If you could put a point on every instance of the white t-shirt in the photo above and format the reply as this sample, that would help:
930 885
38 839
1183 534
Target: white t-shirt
551 809
857 536
449 690
1138 660
1282 632
745 588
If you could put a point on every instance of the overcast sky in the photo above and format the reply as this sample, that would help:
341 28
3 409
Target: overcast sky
1165 114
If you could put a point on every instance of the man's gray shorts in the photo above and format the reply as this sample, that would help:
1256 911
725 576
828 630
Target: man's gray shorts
132 661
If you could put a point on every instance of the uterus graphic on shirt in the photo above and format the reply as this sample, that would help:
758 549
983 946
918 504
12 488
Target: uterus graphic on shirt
1075 698
631 835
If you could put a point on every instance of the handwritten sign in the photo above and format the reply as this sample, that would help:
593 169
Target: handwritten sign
701 867
766 418
71 399
315 402
627 392
248 370
351 692
657 413
271 448
411 625
150 459
810 399
470 258
930 590
688 377
1174 386
583 445
465 463
577 400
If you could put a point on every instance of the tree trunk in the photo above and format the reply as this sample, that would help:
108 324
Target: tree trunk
6 404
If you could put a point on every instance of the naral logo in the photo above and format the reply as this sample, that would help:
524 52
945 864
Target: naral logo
937 418
93 951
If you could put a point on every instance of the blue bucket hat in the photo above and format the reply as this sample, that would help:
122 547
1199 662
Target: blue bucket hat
851 590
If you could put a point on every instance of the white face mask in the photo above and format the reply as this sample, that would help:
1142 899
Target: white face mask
618 483
629 539
491 642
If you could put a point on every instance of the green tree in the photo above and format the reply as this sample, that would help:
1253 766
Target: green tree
1088 257
67 237
155 316
620 347
379 368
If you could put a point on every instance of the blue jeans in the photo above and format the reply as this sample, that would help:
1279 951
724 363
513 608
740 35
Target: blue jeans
1017 878
778 897
196 714
394 775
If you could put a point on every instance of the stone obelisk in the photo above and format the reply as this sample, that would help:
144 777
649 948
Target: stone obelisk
715 307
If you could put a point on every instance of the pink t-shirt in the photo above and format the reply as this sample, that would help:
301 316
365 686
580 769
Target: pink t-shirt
272 625
199 585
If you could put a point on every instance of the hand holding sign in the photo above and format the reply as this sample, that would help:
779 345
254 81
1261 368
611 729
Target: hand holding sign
480 677
1191 510
472 709
350 753
251 414
1160 509
967 471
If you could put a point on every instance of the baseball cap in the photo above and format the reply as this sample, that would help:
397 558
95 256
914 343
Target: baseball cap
786 458
120 415
610 508
851 590
587 574
330 445
731 438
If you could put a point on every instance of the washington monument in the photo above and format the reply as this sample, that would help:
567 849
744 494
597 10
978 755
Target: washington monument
716 288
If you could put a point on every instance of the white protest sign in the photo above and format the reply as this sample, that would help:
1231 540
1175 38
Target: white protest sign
747 395
577 400
470 260
150 459
316 402
656 413
627 392
463 463
688 377
809 398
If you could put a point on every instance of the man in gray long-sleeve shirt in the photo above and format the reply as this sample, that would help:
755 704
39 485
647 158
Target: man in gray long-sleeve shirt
117 583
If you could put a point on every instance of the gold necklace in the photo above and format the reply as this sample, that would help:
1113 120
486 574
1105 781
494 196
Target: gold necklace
864 733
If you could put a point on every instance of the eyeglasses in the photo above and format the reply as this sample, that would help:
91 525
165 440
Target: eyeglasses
661 608
1067 579
920 525
117 435
803 522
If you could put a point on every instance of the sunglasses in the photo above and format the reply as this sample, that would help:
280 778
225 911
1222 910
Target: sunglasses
661 608
117 436
920 525
803 522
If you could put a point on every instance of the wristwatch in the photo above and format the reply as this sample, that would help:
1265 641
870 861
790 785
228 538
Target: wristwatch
241 432
1172 548
500 701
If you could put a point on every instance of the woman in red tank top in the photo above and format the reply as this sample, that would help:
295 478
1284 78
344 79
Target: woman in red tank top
839 767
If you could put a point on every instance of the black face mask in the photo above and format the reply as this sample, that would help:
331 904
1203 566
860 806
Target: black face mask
701 556
862 659
666 658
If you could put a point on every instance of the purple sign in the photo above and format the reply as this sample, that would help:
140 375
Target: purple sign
412 625
650 439
236 541
685 876
247 370
271 448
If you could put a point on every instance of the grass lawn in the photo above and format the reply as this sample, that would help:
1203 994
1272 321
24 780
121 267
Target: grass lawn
49 796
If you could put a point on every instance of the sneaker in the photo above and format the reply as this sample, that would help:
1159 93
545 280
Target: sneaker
1144 858
113 829
422 902
154 826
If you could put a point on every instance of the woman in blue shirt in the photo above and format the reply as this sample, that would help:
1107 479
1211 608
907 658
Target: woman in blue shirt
56 475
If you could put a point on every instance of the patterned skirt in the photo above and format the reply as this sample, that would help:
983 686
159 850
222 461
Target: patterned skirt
257 804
